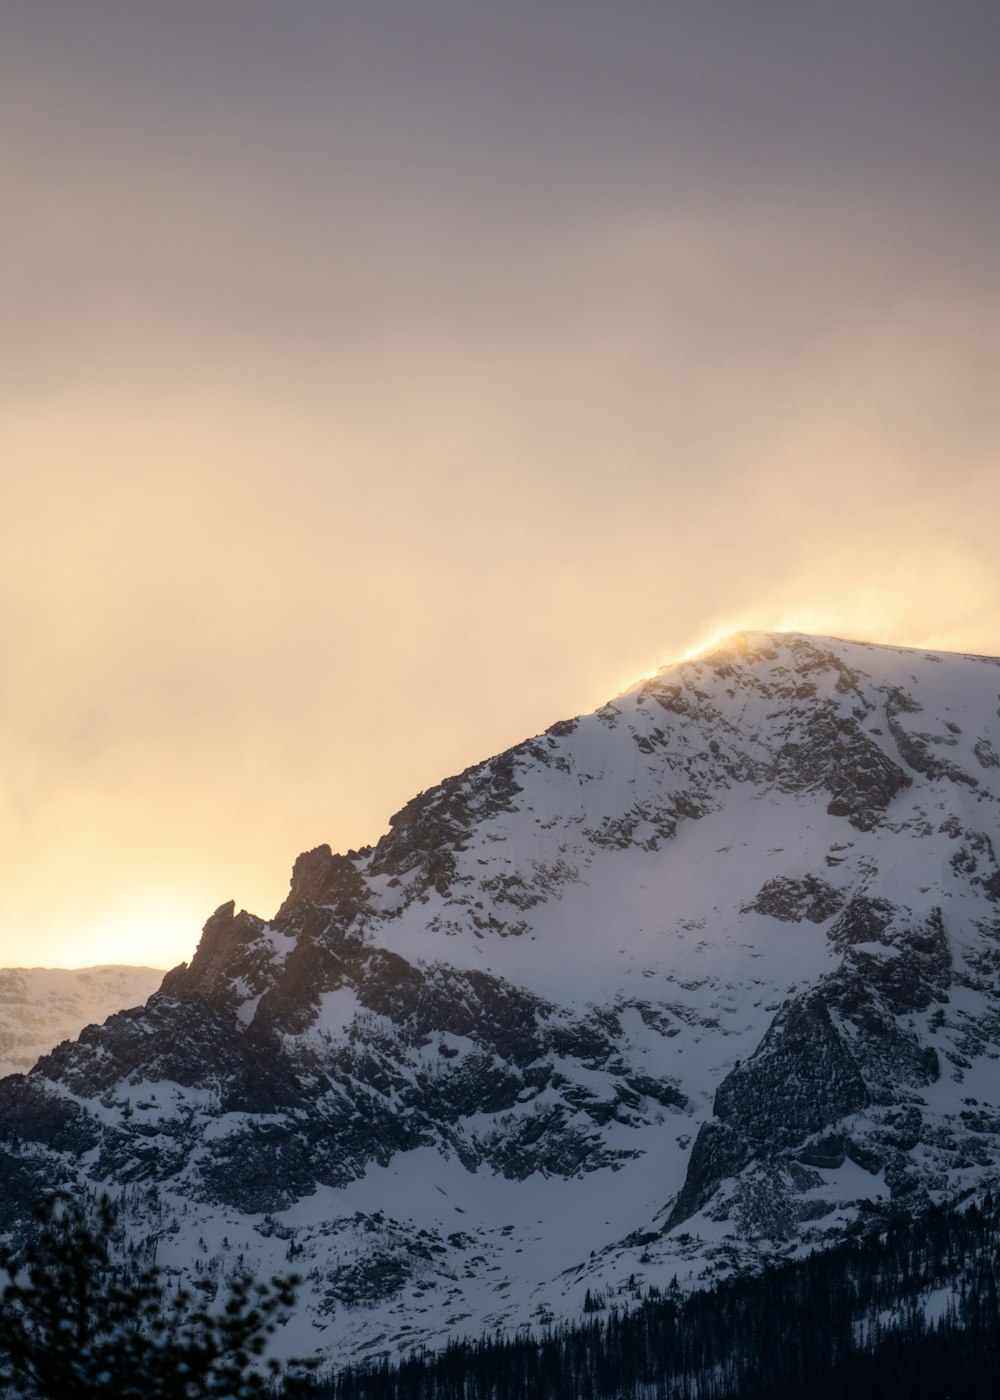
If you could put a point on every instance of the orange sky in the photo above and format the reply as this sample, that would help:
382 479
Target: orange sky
346 443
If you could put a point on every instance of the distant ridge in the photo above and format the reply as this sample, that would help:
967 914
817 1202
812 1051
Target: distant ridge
40 1006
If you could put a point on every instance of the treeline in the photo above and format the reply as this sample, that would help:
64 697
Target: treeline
869 1319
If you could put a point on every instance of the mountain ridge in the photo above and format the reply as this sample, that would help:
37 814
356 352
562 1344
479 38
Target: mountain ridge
712 969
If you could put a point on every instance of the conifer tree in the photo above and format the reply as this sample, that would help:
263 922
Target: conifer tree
75 1322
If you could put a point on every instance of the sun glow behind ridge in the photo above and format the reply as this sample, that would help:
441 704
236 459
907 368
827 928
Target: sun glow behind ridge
884 618
145 931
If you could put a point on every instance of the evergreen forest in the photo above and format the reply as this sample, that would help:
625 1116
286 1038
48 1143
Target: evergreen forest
911 1310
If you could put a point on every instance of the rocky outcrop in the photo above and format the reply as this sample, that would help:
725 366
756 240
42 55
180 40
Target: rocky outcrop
235 958
801 1080
793 900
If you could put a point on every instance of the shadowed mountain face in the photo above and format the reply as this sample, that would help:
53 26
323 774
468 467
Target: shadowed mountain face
700 979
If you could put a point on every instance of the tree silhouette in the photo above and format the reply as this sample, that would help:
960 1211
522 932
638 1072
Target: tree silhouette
76 1323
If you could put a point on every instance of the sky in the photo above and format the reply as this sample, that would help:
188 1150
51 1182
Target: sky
380 383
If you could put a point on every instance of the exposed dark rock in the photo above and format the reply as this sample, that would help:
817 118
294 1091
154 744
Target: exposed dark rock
321 877
180 1041
32 1112
425 835
977 861
547 1142
793 900
986 754
233 950
916 749
828 1151
25 1188
914 970
807 1076
833 753
863 781
802 1078
864 920
719 1151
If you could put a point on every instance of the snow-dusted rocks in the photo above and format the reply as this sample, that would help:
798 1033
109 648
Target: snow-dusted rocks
708 975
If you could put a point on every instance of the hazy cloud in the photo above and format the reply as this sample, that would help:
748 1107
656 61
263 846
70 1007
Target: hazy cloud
381 383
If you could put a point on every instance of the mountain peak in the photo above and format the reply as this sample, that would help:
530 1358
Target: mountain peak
712 970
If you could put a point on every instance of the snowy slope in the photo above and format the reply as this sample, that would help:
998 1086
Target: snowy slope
705 977
40 1006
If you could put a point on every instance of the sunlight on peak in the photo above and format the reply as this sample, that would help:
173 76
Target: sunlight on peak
709 642
864 618
865 615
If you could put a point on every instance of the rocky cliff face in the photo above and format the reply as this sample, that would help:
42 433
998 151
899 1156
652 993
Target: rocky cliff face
706 977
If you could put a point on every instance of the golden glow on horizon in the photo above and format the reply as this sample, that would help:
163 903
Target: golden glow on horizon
190 704
141 928
303 513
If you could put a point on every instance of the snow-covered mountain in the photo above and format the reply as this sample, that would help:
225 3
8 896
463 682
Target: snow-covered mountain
703 978
40 1006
